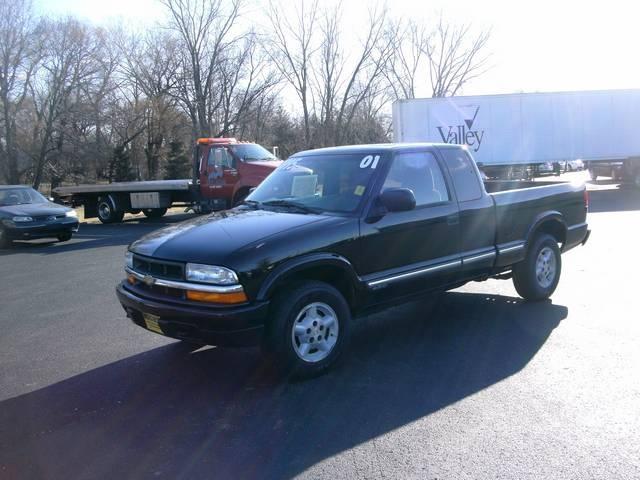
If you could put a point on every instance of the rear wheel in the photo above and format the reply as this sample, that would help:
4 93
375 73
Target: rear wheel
537 276
309 329
154 212
107 213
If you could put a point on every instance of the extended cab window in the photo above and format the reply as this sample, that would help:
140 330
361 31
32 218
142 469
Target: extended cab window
463 173
419 172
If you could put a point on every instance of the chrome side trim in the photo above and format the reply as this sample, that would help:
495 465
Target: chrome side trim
475 258
186 285
401 276
510 249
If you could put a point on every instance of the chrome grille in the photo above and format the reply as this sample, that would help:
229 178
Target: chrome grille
158 268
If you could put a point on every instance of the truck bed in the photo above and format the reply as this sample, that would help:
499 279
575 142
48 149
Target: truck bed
128 187
518 205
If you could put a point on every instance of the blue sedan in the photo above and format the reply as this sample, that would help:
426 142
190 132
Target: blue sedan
26 215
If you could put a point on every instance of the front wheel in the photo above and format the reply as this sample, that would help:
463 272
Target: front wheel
309 329
537 276
64 237
154 212
5 242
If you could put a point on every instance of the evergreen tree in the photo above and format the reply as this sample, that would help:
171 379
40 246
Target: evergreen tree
178 165
120 166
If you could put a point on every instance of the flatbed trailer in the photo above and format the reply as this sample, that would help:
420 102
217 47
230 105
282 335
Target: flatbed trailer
224 172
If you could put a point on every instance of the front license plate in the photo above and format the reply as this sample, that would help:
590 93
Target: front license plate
151 322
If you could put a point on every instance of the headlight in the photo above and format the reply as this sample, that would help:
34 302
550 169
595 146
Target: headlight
72 213
128 259
22 219
210 274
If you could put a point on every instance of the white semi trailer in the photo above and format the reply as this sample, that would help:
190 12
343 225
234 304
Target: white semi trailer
520 132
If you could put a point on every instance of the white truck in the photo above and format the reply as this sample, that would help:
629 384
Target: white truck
516 134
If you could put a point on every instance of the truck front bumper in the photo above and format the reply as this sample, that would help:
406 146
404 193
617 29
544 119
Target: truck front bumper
224 326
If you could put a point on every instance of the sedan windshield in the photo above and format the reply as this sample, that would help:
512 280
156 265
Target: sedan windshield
332 183
20 196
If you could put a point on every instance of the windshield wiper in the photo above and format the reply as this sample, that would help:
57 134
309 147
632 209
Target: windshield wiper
251 203
289 204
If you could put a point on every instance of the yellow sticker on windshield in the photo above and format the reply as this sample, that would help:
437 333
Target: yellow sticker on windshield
359 190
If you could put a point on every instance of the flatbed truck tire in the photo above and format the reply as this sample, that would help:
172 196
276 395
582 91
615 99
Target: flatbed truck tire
107 212
154 212
537 276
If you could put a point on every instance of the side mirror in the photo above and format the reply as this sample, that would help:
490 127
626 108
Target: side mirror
398 199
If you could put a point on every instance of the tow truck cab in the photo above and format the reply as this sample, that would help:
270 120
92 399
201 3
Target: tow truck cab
226 169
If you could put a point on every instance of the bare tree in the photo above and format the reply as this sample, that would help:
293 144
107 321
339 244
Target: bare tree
68 61
455 56
19 57
205 31
292 48
403 71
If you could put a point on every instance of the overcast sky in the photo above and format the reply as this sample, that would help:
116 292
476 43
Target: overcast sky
538 45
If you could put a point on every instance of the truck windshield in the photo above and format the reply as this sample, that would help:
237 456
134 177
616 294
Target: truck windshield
330 183
20 196
251 152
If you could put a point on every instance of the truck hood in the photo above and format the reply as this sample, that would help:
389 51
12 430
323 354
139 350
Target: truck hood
212 238
33 209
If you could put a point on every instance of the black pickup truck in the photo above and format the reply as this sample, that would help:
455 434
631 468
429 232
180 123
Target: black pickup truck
337 232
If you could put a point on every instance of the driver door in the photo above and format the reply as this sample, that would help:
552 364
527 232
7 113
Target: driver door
405 252
221 173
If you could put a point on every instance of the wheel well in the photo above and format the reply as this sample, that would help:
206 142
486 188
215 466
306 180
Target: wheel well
554 228
334 276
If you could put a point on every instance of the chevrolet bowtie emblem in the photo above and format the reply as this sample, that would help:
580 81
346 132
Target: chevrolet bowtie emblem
148 280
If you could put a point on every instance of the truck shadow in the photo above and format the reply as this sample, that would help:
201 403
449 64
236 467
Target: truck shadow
221 413
620 199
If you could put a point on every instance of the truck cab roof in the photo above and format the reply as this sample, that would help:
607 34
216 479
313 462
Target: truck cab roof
374 148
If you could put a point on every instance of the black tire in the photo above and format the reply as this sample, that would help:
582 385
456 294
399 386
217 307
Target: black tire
154 212
107 213
532 279
65 237
293 306
4 241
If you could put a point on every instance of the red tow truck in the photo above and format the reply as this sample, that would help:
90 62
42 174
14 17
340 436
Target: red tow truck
224 172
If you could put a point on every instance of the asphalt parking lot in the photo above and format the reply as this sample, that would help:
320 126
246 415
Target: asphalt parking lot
476 384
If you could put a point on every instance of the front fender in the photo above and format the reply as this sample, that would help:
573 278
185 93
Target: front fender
304 262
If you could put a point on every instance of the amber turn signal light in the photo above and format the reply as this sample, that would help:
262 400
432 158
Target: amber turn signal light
131 279
235 297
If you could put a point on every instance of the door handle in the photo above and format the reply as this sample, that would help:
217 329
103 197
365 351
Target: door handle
453 219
